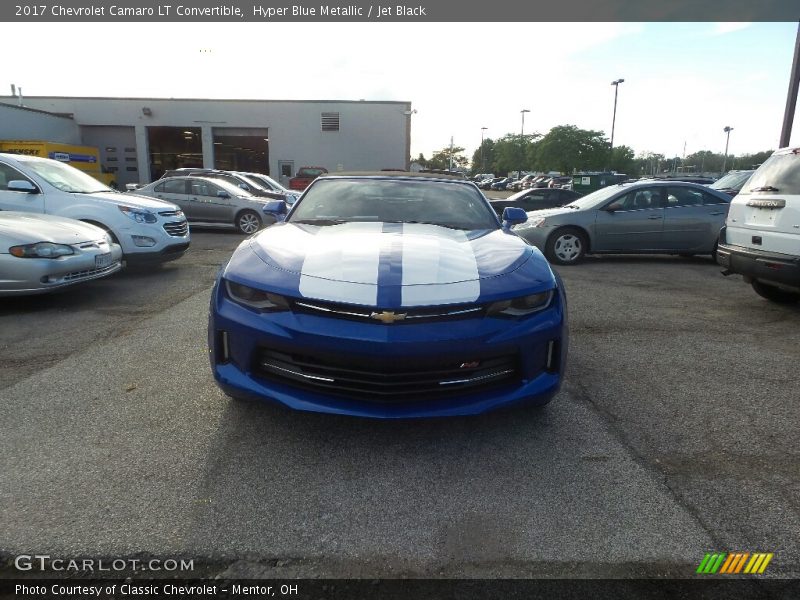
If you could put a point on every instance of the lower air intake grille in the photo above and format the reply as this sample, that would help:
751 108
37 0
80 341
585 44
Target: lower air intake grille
388 380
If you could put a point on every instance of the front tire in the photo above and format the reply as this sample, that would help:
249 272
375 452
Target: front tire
248 222
566 246
774 294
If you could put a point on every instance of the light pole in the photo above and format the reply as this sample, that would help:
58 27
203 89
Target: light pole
483 162
615 83
522 139
727 131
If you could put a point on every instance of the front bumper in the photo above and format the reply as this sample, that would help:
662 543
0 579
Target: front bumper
170 240
165 254
240 338
26 276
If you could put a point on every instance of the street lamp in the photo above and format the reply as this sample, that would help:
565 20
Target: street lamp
615 83
483 162
727 131
522 138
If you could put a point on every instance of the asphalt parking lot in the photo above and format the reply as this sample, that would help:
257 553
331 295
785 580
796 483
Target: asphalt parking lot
675 435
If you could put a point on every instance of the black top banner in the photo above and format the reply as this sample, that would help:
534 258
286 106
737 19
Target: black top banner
401 11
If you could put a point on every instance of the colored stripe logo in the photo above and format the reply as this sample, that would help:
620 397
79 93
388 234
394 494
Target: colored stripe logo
734 563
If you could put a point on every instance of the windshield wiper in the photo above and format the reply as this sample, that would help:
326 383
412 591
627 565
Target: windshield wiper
765 188
575 206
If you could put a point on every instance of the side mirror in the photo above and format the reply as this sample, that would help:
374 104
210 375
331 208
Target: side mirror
221 194
276 208
20 185
513 215
613 207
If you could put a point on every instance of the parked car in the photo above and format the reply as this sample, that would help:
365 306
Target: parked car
643 217
535 199
502 184
315 313
304 176
278 191
211 201
487 184
761 238
238 179
732 182
43 253
148 230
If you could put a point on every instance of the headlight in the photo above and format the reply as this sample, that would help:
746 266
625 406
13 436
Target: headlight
255 298
138 214
531 222
524 305
41 250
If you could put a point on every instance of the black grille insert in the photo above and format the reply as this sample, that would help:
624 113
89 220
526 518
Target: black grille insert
387 380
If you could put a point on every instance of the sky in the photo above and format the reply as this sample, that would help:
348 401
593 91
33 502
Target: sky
684 82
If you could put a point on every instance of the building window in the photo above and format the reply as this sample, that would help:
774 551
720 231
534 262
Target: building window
130 158
132 169
330 121
110 149
111 159
130 149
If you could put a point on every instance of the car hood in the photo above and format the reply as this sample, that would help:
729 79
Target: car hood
29 228
134 200
391 264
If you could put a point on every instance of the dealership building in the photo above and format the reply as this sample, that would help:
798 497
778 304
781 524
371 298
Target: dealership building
140 138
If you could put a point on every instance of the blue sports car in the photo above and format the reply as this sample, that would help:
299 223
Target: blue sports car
393 296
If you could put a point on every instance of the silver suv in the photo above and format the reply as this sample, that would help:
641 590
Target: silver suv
761 237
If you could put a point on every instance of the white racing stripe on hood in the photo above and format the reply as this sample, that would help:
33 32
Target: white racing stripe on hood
343 272
439 266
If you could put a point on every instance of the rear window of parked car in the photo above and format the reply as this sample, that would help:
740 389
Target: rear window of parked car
780 171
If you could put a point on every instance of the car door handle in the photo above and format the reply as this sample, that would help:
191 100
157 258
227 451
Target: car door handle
655 217
716 214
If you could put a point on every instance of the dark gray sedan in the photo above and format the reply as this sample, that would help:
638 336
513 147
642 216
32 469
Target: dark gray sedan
644 217
211 201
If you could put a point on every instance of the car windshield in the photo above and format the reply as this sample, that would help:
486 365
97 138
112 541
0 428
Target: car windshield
780 173
731 180
595 198
341 200
66 178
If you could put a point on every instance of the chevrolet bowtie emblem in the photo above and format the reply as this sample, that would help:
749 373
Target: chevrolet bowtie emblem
387 316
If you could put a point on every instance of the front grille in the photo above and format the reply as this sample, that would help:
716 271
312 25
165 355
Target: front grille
88 272
398 316
387 380
177 228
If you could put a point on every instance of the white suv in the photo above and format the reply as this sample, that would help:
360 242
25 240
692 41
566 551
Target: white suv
761 237
148 230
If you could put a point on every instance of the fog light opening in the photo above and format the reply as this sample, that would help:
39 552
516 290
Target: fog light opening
223 354
553 356
142 241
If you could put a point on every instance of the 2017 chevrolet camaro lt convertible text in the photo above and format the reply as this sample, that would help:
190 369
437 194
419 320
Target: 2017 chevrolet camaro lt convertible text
391 296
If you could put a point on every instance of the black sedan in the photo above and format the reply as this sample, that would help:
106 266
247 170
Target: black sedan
535 199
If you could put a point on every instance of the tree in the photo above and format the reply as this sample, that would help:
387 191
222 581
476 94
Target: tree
567 148
512 153
441 159
622 160
478 165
